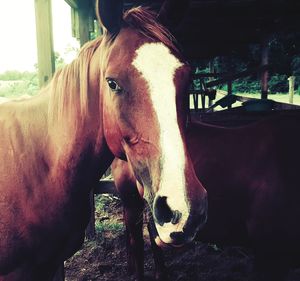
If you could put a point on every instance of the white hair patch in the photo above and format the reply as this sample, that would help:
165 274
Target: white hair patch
158 67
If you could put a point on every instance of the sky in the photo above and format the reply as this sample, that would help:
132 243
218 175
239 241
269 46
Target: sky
18 49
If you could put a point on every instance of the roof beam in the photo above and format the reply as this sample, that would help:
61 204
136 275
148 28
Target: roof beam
72 3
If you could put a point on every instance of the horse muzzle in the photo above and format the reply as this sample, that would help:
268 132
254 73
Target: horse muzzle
173 227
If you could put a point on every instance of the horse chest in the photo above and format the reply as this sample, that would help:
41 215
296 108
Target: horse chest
45 225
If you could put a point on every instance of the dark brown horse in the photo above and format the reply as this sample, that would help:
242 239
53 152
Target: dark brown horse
251 174
109 102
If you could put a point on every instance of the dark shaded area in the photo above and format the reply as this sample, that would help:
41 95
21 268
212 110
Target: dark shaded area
105 258
217 27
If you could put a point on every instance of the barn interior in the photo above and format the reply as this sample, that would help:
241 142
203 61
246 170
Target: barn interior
214 27
211 30
212 33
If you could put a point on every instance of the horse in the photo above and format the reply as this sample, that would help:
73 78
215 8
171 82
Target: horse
109 102
251 175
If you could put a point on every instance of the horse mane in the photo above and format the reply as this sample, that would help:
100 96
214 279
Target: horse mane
69 85
144 20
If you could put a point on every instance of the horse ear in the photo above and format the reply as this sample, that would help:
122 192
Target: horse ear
172 12
110 14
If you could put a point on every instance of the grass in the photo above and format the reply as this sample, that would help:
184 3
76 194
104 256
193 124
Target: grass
107 223
108 226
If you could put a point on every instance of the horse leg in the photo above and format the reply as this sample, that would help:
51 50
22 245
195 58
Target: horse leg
158 256
133 216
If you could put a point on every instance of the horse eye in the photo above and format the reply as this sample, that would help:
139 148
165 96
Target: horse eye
113 85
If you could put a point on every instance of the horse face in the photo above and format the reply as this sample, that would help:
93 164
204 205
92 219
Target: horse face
143 86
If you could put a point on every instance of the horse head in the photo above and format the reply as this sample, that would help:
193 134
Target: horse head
143 83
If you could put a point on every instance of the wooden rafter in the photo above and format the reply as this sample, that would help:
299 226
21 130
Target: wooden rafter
72 3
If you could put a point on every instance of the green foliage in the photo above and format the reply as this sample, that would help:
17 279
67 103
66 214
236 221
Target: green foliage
284 59
102 202
16 83
278 83
296 65
114 227
105 221
249 85
296 71
12 75
59 61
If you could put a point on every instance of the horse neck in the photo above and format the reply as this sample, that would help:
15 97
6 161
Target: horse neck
77 137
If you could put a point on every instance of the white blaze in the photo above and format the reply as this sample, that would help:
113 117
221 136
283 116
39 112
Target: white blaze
158 67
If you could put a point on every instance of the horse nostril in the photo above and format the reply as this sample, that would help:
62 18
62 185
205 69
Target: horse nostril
179 238
176 217
163 213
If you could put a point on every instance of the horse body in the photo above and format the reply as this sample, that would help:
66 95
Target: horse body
44 189
251 177
55 147
253 171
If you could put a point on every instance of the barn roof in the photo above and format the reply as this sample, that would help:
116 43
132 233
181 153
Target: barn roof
214 27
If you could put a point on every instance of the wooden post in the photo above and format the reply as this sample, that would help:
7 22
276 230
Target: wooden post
211 70
84 31
46 60
84 36
291 88
229 90
230 69
74 23
81 20
72 4
82 10
265 72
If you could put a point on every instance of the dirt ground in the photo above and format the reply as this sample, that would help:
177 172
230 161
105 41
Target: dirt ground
105 258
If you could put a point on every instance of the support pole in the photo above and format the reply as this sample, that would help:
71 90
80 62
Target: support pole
265 72
291 80
230 69
46 60
84 32
229 90
211 66
84 36
82 9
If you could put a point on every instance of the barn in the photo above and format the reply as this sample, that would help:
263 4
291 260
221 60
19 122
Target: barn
210 29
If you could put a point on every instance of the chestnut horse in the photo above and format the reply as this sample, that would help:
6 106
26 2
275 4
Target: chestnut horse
251 174
122 97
